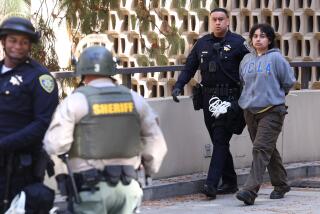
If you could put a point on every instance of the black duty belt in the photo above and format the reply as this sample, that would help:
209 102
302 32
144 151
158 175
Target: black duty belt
87 180
222 91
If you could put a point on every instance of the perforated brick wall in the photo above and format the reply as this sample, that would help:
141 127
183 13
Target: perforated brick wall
296 22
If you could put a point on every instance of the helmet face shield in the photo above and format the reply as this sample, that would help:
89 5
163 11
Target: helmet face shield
18 25
96 60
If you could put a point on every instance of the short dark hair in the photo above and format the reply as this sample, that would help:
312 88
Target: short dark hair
267 29
219 9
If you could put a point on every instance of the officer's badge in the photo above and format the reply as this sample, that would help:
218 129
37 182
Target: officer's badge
47 82
227 48
16 80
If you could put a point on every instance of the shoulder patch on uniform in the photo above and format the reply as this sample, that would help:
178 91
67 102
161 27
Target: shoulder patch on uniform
47 82
249 48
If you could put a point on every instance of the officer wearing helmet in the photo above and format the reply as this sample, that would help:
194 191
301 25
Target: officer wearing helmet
108 132
28 98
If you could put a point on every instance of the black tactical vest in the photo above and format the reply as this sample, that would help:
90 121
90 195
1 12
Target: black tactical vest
111 129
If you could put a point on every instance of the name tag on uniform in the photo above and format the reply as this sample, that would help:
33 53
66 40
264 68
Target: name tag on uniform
112 108
203 53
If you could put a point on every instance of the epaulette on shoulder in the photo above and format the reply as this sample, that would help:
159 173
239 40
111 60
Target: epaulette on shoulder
237 36
36 66
207 36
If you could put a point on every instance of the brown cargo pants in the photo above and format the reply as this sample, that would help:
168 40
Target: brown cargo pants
264 129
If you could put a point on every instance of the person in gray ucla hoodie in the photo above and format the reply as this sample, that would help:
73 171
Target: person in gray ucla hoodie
267 78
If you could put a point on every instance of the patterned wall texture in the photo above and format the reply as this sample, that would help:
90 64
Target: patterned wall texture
296 22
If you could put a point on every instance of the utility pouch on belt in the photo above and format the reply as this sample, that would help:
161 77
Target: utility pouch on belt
42 164
62 183
128 173
112 174
91 178
197 97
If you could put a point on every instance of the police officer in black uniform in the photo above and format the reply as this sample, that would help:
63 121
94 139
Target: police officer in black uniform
28 98
218 54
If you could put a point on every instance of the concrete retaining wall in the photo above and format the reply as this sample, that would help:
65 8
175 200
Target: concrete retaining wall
187 136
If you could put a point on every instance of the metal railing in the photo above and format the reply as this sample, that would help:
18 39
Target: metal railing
127 72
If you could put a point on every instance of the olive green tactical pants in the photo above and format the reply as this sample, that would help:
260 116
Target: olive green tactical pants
264 129
120 199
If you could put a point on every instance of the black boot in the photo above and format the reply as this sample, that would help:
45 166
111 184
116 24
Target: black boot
279 192
210 191
246 196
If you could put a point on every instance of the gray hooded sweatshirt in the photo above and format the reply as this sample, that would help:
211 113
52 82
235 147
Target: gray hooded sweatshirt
266 80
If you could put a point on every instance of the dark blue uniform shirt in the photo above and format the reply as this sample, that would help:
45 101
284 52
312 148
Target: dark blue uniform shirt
28 98
205 55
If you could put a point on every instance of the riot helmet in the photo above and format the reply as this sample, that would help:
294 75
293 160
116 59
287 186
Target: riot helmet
19 25
96 60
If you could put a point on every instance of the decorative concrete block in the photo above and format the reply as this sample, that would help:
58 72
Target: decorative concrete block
114 23
297 48
308 50
246 6
225 4
287 47
288 6
267 5
277 22
235 22
296 22
255 17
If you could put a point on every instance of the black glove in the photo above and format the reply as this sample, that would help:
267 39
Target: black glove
176 92
235 118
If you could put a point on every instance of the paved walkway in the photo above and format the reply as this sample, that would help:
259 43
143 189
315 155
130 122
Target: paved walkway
192 184
179 195
297 201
